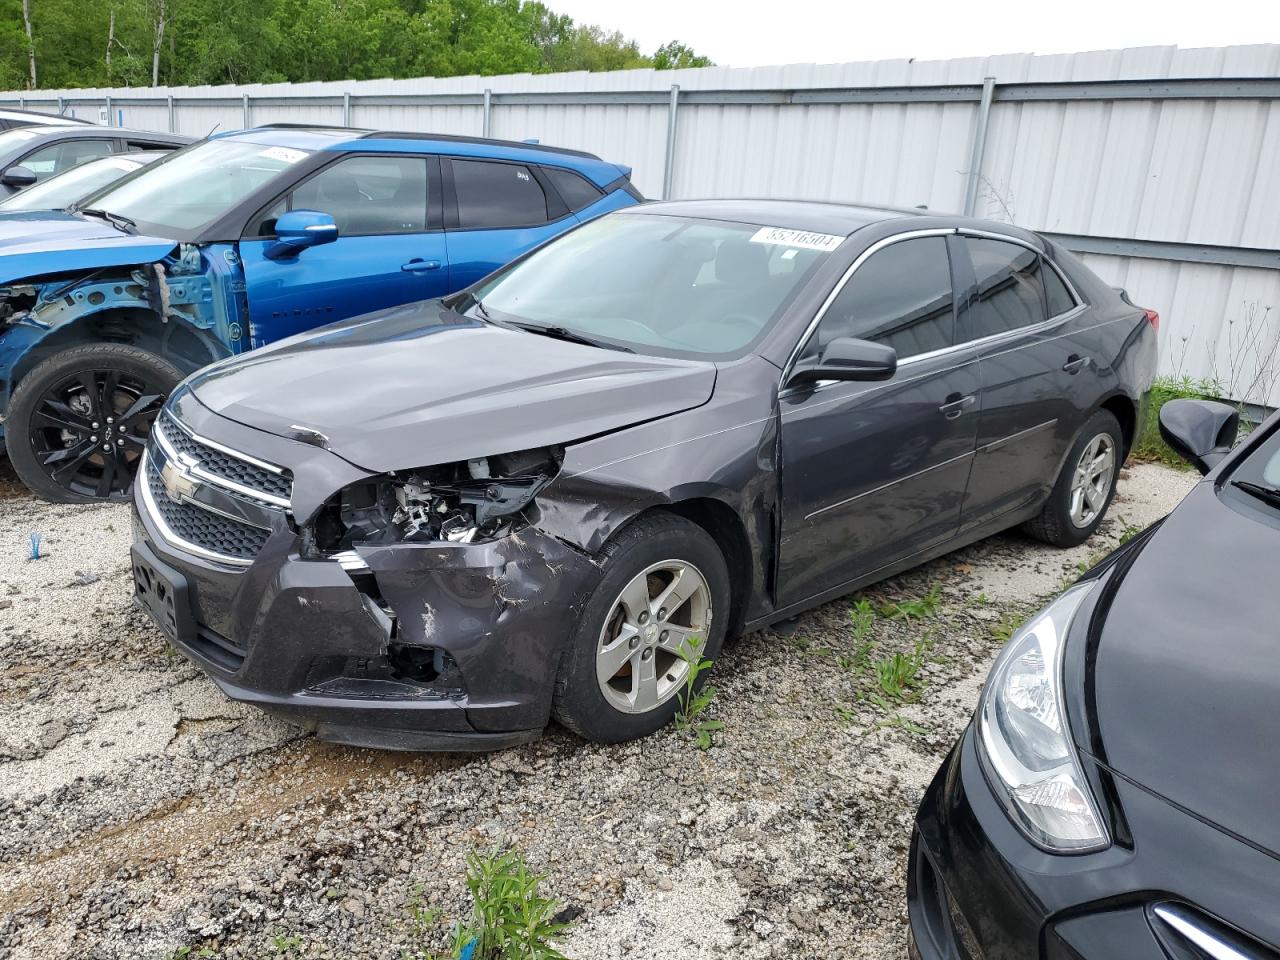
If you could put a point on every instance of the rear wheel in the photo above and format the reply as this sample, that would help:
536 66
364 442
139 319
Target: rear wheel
1085 486
79 420
621 678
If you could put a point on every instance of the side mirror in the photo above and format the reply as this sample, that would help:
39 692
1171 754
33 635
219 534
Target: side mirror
299 229
1202 432
846 358
18 177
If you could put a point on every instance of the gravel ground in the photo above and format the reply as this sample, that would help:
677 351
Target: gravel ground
141 813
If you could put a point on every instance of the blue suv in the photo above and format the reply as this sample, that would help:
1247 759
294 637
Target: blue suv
235 242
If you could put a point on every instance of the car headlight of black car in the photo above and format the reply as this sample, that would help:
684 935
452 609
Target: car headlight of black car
472 501
1024 738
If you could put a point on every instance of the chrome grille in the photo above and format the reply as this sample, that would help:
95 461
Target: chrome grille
198 527
272 485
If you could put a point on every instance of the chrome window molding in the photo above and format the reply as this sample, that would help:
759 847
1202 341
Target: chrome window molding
1079 308
992 235
153 513
862 258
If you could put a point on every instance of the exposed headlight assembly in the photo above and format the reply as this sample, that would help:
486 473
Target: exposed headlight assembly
469 502
1024 738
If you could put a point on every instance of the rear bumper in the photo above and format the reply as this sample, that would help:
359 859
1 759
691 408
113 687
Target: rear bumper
977 890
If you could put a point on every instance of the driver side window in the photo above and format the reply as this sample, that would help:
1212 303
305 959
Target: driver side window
901 296
366 196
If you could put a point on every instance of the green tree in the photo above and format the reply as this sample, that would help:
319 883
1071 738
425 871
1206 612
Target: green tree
676 56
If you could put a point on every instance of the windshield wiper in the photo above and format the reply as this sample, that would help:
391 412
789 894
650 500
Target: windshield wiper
118 221
563 333
1264 493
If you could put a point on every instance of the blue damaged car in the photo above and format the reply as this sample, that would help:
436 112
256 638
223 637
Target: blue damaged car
237 241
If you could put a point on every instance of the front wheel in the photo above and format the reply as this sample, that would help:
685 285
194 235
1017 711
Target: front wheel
664 589
78 422
1085 486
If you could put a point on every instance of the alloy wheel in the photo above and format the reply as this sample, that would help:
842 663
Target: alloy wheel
88 430
1091 484
662 608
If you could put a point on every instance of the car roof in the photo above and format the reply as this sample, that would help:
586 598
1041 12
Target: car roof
839 219
93 131
356 140
35 117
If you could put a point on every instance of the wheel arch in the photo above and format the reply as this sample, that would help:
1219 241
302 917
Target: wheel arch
1125 410
726 528
185 346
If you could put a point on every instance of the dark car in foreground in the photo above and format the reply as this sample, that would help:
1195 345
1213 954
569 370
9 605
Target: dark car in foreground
436 526
242 239
63 190
1115 794
31 154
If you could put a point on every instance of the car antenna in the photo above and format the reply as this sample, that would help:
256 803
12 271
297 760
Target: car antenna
213 128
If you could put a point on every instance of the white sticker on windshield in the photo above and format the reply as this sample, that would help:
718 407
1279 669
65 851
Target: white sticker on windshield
797 238
283 154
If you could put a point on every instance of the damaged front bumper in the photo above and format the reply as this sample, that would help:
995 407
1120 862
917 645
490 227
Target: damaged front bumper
416 645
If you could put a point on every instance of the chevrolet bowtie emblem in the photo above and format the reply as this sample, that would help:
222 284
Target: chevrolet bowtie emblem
179 485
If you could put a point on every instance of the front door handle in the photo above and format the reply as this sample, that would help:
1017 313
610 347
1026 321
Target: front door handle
1075 363
420 266
956 405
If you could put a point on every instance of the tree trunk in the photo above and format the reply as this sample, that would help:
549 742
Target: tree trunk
159 42
111 41
31 44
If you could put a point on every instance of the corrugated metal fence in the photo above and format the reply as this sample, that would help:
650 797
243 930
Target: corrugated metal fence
1160 165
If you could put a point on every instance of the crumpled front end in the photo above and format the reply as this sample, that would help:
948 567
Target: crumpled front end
424 610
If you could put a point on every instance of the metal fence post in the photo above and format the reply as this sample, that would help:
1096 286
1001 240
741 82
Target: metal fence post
244 106
62 106
110 122
168 102
980 123
486 121
346 109
22 103
669 168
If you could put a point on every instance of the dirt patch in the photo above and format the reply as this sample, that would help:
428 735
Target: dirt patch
141 812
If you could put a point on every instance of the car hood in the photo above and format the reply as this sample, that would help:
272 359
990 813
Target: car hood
1187 670
35 242
420 385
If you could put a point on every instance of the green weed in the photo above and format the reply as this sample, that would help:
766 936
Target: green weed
902 723
863 615
898 676
926 606
283 945
694 703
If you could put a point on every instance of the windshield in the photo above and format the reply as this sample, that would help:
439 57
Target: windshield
1261 467
59 192
190 189
656 284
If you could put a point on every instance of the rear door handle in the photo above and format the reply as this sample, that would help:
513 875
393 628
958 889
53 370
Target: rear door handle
420 266
1075 363
957 405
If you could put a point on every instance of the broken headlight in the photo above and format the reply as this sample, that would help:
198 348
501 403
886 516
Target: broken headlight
468 502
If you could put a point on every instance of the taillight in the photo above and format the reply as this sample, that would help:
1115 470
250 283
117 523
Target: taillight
1153 318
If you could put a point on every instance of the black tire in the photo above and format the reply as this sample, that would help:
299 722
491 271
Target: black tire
580 702
1055 524
50 432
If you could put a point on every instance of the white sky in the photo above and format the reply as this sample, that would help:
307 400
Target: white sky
745 33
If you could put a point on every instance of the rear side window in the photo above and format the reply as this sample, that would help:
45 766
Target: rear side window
901 296
1010 286
1056 293
492 194
573 188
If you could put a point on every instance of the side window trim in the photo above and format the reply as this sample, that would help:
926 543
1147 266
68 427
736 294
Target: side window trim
1062 274
434 221
862 258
